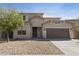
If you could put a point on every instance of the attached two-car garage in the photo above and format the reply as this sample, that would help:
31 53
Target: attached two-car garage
57 33
56 29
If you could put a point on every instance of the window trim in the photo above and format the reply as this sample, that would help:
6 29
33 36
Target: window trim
21 32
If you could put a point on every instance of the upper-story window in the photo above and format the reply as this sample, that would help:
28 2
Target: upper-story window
23 17
27 18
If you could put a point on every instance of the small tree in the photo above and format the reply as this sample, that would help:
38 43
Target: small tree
10 20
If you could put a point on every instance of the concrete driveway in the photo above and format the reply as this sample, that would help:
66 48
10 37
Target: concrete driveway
70 47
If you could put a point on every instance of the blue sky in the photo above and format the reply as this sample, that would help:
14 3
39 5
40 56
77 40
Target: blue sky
63 10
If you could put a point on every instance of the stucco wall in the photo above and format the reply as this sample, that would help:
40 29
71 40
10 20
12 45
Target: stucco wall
53 25
71 33
26 27
75 34
36 22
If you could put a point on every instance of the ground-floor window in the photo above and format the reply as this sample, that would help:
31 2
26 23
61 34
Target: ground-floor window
4 34
21 32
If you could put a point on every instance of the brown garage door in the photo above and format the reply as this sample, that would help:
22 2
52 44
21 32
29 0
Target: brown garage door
57 33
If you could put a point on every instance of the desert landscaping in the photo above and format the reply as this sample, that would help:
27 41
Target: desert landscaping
29 48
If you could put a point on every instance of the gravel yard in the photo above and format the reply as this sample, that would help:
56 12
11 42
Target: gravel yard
29 48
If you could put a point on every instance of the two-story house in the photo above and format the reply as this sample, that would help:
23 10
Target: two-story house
37 26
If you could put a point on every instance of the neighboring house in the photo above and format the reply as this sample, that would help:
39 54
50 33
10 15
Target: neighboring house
36 26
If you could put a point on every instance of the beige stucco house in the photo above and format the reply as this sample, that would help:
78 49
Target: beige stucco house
37 26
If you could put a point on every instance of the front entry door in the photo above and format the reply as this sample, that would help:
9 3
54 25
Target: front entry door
34 32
